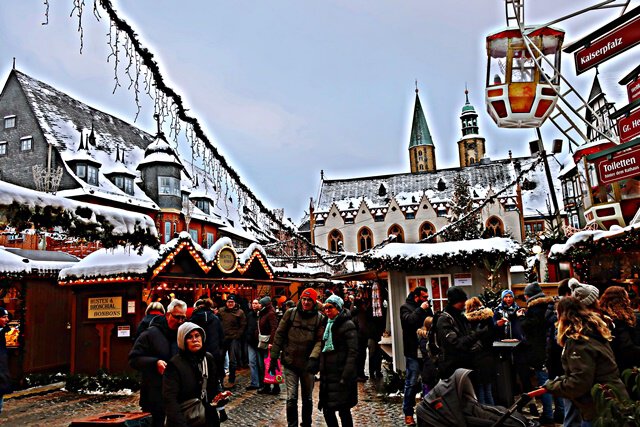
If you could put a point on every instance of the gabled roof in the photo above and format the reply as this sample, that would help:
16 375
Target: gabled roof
406 187
420 134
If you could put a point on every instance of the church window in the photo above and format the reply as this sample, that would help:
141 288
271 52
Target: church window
365 239
397 231
495 227
472 160
335 238
426 230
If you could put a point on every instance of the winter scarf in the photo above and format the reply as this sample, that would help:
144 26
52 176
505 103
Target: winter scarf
328 336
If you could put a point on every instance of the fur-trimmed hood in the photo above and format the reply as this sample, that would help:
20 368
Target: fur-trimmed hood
539 300
479 315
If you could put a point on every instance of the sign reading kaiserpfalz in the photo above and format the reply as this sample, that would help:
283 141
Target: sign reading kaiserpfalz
608 46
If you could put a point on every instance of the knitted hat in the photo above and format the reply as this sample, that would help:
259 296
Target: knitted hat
455 294
310 293
532 289
506 292
184 330
265 300
335 300
587 294
231 297
3 312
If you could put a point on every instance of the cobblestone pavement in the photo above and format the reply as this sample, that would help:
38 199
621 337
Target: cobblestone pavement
246 408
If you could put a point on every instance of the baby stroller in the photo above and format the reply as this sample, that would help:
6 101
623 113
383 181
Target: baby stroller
453 403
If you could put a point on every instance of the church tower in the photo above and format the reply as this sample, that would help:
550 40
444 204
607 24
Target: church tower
422 152
471 145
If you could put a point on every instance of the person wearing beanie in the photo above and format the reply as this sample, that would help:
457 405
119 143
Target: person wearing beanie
412 314
297 341
255 377
184 373
5 378
267 326
338 386
150 354
534 326
234 324
457 339
587 294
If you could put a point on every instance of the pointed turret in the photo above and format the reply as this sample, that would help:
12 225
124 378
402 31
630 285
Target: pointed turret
598 115
471 146
421 149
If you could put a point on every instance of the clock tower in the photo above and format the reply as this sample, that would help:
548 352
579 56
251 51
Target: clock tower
471 145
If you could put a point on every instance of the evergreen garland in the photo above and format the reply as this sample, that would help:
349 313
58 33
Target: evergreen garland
79 224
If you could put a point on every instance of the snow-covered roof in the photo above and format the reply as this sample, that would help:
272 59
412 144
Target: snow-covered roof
408 188
587 236
122 221
25 262
503 245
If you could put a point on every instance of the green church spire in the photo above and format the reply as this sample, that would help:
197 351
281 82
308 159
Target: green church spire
420 134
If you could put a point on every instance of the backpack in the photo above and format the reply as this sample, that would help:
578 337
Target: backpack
435 350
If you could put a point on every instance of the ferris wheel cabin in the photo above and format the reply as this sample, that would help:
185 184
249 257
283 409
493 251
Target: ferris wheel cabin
523 90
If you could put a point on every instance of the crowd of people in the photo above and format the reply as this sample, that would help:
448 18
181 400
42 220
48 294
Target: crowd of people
565 344
189 357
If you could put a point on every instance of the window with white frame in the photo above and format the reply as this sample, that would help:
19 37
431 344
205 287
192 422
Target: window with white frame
26 144
81 170
169 185
194 234
9 122
437 285
209 240
92 175
3 148
167 231
124 183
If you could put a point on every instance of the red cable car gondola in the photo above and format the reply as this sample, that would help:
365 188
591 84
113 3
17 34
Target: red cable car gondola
523 90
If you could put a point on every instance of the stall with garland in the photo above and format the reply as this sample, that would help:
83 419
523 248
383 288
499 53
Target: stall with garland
112 287
477 265
38 310
603 258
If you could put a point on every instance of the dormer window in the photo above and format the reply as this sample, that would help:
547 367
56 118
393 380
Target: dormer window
203 205
9 122
88 173
124 183
26 144
168 185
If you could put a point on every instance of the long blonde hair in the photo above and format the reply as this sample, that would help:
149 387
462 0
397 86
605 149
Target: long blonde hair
422 332
575 320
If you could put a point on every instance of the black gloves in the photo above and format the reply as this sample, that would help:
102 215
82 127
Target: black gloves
481 332
273 366
313 365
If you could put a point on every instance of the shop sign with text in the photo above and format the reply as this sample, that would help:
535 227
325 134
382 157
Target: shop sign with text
608 46
629 127
104 307
633 90
621 166
227 260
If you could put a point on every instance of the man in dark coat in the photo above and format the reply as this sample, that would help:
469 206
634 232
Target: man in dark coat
297 341
234 323
412 314
5 379
252 346
455 336
150 354
534 326
203 316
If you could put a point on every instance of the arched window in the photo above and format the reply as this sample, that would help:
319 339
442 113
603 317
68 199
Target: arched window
426 230
365 239
419 155
495 227
334 238
397 231
421 167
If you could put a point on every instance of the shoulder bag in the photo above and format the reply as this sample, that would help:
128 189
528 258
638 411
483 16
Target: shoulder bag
263 340
193 410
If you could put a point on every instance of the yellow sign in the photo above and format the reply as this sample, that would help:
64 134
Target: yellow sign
105 307
227 260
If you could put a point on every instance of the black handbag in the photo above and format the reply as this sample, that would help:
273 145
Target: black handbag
193 410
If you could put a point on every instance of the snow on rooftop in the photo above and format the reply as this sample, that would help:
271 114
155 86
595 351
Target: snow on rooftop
24 262
111 262
585 236
123 221
426 250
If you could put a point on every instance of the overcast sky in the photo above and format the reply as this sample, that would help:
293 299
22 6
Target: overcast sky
286 88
